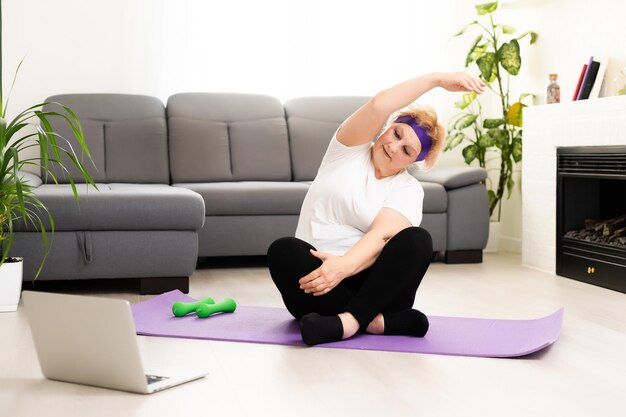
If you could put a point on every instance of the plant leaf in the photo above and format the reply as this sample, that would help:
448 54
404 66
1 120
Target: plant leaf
509 162
4 109
523 96
454 140
500 136
486 140
25 115
17 182
462 31
491 123
533 36
486 65
465 121
3 134
507 29
469 153
514 115
466 100
492 197
516 152
471 56
483 9
509 57
510 184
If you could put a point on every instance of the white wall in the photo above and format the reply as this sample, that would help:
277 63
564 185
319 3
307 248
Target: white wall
138 46
285 48
160 47
68 46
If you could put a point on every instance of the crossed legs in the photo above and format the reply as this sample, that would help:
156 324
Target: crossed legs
378 299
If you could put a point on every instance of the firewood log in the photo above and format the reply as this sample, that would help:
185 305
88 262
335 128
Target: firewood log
613 225
620 232
590 224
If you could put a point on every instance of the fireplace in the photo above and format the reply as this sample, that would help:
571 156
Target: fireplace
591 215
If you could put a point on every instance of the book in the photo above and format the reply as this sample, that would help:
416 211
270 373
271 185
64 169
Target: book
590 78
580 82
578 97
604 62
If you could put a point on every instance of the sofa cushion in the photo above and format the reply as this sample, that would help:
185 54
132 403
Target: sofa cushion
126 135
227 137
250 198
312 121
435 198
121 207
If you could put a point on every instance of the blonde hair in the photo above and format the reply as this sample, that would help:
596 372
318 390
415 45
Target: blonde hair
425 117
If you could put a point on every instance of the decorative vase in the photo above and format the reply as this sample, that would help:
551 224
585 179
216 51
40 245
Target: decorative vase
494 237
10 283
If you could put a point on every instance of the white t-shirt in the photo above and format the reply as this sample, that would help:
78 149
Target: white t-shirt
346 196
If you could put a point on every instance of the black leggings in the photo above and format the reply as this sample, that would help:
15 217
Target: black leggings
389 285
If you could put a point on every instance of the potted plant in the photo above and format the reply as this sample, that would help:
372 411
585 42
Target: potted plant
496 139
31 128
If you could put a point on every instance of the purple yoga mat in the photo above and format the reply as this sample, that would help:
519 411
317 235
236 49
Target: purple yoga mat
446 335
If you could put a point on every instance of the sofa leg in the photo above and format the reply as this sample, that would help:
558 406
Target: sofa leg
161 285
464 256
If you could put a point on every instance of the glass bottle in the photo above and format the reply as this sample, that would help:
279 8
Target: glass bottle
554 91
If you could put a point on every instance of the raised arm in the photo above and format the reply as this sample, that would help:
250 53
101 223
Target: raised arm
367 121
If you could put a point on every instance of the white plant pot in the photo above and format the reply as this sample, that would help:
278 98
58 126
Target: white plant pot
494 237
10 285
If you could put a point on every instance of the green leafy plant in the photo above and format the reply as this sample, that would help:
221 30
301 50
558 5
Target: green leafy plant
32 128
496 53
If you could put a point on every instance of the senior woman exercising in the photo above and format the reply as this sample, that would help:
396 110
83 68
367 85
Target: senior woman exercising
359 254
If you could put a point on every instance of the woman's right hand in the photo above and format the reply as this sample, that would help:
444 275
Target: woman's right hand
461 81
321 281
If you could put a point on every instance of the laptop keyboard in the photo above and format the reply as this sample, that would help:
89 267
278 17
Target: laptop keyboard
151 379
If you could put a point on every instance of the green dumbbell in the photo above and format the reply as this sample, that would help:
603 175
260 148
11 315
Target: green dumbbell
226 306
180 309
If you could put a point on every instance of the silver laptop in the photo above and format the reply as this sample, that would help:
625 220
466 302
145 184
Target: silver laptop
92 341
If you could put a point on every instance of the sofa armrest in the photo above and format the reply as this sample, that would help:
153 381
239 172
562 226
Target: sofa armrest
451 177
32 179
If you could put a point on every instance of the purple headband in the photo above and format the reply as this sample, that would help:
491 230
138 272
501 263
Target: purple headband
422 135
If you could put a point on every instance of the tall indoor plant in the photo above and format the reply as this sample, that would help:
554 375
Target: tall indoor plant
496 53
31 128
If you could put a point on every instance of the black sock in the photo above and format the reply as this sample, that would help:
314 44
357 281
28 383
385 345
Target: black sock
406 323
318 329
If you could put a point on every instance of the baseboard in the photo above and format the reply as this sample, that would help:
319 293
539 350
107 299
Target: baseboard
510 244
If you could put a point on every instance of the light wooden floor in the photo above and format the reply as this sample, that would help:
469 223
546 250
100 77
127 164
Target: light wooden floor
582 374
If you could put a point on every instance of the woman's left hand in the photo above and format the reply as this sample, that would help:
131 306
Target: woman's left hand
322 280
461 81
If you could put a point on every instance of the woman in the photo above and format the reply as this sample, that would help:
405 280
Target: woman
359 256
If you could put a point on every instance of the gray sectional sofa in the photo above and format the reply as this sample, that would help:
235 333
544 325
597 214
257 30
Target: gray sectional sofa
211 175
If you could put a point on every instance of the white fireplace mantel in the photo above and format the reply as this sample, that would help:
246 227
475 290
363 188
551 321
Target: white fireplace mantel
578 123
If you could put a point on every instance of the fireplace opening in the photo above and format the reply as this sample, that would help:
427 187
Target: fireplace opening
591 215
610 232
